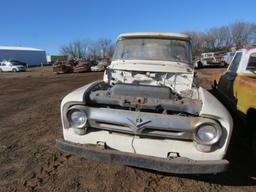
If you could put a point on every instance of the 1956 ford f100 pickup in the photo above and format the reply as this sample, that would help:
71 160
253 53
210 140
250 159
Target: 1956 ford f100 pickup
147 111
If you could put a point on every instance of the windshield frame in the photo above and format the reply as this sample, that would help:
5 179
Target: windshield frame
119 50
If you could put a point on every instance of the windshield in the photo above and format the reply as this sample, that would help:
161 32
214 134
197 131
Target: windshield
153 49
252 62
16 63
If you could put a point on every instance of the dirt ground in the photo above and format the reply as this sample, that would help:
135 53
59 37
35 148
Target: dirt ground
29 160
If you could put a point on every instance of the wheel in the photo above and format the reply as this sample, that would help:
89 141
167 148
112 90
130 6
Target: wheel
1 70
14 70
215 84
199 65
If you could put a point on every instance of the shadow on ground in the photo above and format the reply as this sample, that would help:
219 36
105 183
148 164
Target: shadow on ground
242 168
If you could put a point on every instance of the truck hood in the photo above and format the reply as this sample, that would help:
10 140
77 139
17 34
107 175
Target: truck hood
151 66
177 76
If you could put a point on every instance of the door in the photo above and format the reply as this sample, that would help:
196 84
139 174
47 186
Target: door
226 83
9 67
4 67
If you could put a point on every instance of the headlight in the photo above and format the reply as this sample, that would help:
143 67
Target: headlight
208 133
77 118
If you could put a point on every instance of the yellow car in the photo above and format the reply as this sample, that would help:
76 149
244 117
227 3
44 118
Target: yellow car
238 87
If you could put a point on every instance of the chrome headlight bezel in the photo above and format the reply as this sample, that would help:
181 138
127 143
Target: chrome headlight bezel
71 122
215 128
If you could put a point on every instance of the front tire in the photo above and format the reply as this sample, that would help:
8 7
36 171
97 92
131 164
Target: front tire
14 70
199 65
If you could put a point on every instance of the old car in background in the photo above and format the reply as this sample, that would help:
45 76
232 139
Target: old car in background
12 66
147 111
84 65
73 65
101 66
211 59
238 88
60 67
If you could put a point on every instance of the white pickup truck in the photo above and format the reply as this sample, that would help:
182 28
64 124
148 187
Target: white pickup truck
12 66
147 112
211 59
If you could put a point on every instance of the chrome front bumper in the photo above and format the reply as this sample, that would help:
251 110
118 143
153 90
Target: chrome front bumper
178 165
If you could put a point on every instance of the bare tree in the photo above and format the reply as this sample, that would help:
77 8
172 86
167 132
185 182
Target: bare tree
242 33
94 49
196 39
110 51
223 38
226 37
208 40
219 37
76 49
104 45
215 39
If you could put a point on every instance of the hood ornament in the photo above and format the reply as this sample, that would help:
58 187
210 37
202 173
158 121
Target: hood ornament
138 125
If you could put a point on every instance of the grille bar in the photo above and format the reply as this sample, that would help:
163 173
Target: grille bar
141 123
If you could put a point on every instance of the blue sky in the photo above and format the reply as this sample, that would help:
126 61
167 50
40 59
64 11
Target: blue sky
48 24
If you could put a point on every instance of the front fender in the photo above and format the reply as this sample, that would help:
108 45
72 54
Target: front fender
75 97
214 109
78 95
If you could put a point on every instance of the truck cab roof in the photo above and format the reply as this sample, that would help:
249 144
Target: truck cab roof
241 60
158 35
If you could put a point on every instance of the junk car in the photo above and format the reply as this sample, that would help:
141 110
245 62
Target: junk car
237 87
147 111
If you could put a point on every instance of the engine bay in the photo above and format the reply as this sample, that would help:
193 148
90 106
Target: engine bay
146 98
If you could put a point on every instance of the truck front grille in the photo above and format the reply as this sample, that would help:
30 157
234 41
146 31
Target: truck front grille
141 123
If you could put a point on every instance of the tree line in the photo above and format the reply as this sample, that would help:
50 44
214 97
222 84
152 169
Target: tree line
222 38
103 47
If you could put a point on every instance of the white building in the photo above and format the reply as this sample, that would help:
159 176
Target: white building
31 56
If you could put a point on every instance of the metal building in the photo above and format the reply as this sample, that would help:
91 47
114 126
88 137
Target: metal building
31 56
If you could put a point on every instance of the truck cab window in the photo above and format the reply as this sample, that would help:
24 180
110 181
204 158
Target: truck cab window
252 62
